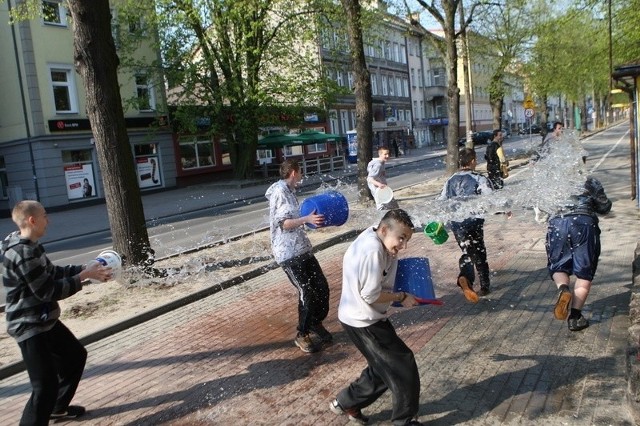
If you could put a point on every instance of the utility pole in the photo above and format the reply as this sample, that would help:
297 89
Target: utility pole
467 79
610 110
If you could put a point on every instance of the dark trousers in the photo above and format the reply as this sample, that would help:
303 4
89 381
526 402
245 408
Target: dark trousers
495 178
470 237
306 275
391 365
55 361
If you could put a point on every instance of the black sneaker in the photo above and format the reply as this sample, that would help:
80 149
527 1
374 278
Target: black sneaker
72 412
467 289
561 309
484 291
354 414
305 344
322 333
577 324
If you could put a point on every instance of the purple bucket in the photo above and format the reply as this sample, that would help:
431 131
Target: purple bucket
332 204
414 276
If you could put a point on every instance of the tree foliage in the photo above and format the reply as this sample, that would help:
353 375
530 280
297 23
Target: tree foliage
229 61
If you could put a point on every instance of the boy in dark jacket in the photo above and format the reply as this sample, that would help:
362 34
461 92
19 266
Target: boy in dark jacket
470 232
573 247
54 358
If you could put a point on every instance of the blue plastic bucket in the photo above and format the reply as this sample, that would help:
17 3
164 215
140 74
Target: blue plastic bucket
414 276
332 204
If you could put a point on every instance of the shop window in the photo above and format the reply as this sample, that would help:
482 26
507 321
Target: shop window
64 90
4 182
196 152
53 13
292 150
224 148
317 147
264 156
147 165
78 172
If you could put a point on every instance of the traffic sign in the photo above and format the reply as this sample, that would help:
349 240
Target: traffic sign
529 112
528 103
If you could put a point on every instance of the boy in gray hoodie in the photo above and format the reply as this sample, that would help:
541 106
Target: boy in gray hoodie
54 358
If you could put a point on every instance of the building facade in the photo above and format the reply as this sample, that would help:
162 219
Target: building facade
47 150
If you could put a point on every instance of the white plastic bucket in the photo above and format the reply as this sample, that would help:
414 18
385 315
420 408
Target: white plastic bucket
383 195
112 260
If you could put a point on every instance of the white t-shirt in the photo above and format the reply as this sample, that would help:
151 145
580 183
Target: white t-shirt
368 269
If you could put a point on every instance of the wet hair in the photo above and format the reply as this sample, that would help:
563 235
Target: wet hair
466 156
556 124
383 148
496 131
287 167
395 216
23 210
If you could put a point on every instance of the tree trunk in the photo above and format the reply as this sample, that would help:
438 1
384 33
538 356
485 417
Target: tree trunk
364 113
96 61
453 93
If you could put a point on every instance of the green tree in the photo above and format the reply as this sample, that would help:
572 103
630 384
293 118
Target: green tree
445 15
229 60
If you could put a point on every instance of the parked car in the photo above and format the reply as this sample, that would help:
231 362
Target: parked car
533 129
479 138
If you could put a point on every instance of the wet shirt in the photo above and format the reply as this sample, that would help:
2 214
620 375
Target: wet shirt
283 204
33 286
368 269
591 202
376 170
465 183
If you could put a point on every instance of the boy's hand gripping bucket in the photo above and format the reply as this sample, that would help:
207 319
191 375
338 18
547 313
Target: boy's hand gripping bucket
332 205
437 232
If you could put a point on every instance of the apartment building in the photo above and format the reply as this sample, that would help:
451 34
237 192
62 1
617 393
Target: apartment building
403 107
47 150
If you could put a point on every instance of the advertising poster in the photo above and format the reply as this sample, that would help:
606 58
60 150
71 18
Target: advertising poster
148 173
352 146
80 183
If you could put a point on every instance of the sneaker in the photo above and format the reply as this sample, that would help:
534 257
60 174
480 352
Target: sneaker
305 344
72 412
354 414
577 324
322 333
484 291
467 289
561 309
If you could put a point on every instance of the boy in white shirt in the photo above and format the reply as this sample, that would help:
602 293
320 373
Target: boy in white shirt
368 277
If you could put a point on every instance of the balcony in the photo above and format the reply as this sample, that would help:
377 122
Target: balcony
432 92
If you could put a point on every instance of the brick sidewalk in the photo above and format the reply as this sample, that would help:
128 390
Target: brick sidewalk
229 359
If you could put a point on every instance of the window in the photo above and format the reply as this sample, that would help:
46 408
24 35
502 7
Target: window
415 109
226 157
413 77
405 87
422 109
387 50
400 115
196 152
317 147
420 78
353 118
144 93
374 84
398 86
407 114
333 121
4 182
136 26
292 150
64 92
385 85
264 156
396 52
344 120
350 79
54 13
403 54
340 78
